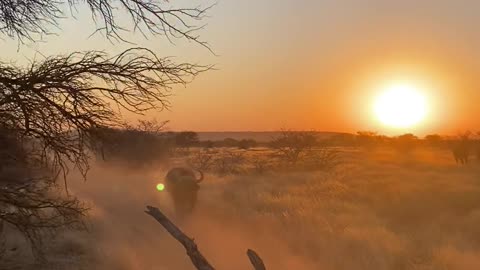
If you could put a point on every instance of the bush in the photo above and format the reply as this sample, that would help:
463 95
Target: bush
229 162
134 146
208 144
30 200
434 140
186 139
246 144
323 159
406 142
229 142
261 165
202 160
291 146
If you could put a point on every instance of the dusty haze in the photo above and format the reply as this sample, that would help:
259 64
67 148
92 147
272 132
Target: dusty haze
380 210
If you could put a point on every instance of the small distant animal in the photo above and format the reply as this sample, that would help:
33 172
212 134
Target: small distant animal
182 185
461 153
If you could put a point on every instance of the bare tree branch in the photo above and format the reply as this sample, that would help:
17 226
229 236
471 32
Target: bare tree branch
29 200
30 19
33 209
192 250
256 261
52 109
61 100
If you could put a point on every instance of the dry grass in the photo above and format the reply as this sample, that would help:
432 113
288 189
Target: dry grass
383 211
379 210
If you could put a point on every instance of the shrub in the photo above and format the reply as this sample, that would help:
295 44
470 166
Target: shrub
246 144
324 159
291 146
261 165
135 146
201 160
229 162
186 139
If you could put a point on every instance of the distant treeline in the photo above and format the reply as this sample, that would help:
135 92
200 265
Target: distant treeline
144 138
148 142
361 138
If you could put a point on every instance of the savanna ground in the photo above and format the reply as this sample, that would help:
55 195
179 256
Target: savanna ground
378 209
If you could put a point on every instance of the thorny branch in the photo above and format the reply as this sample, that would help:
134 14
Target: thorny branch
61 100
33 209
29 19
51 110
29 200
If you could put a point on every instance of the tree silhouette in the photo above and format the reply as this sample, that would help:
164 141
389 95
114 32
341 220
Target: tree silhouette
51 109
186 139
434 139
292 145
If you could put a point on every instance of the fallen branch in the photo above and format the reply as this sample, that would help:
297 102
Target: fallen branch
192 250
255 260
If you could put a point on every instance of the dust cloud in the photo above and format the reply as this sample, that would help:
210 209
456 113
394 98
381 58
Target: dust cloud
122 236
379 210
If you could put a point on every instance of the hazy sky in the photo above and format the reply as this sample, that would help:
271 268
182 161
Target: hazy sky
312 64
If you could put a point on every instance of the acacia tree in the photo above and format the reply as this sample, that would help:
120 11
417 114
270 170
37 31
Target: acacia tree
292 145
135 146
186 139
50 109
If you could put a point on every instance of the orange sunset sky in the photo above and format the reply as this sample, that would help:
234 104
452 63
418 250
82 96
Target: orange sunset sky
311 64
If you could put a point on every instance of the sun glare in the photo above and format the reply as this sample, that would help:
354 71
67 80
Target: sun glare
400 106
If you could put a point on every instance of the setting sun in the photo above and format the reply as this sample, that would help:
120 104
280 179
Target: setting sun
400 106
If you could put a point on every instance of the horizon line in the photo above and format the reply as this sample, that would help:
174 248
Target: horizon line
316 131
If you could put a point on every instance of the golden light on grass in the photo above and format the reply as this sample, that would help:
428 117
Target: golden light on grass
401 105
